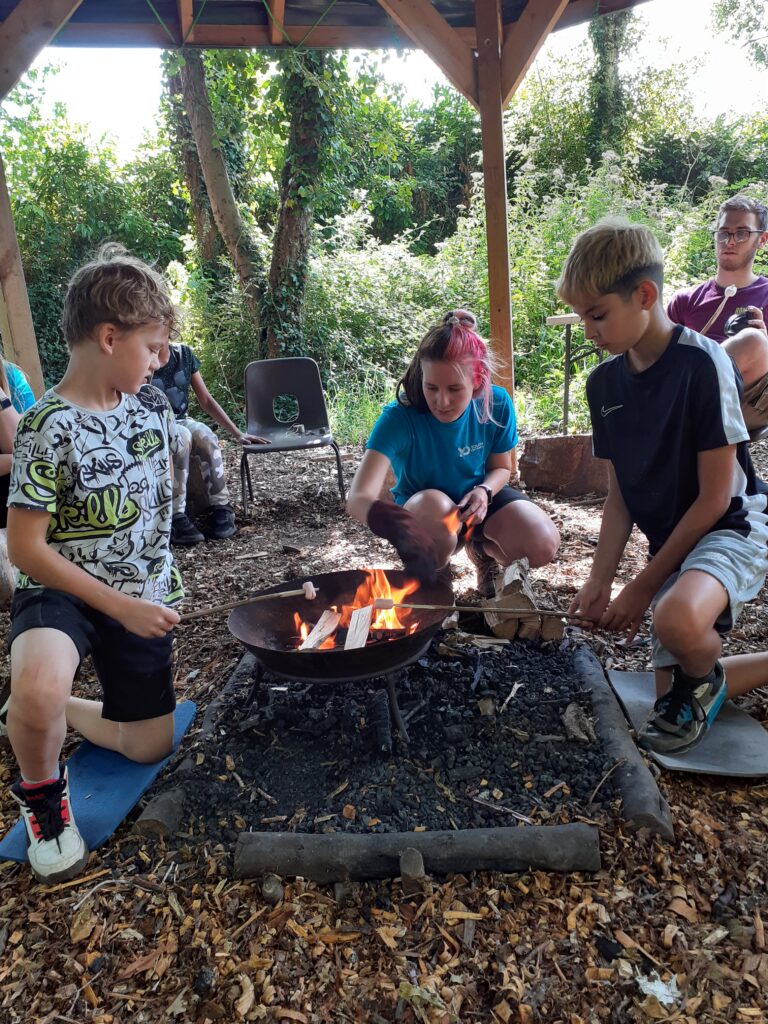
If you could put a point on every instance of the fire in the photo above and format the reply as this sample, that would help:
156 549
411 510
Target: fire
453 523
375 585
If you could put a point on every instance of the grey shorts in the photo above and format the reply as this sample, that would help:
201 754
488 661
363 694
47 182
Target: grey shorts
739 563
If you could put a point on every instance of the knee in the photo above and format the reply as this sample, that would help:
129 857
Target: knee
38 698
544 544
676 626
749 350
148 751
430 504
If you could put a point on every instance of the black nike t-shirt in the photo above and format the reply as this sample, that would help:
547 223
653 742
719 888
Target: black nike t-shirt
652 426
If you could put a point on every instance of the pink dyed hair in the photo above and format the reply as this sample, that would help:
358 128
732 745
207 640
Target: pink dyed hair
454 340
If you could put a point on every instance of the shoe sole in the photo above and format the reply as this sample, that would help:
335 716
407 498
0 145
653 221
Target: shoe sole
66 873
708 722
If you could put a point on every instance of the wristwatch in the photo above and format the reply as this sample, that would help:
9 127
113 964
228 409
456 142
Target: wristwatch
488 491
5 403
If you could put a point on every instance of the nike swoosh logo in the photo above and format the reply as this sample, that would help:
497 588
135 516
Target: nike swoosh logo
611 408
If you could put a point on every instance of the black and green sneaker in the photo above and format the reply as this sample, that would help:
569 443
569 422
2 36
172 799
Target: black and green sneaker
683 716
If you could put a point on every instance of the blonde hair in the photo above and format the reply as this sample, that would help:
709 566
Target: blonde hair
612 256
115 288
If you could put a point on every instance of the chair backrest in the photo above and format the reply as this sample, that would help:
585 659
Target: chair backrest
299 377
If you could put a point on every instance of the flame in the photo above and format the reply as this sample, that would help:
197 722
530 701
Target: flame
453 523
375 585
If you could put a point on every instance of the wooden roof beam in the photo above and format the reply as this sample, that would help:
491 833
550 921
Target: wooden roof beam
186 20
28 29
524 40
431 32
277 22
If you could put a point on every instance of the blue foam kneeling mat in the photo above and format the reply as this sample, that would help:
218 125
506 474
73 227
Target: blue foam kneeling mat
105 787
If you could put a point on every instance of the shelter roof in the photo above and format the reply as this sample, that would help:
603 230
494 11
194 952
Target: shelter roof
345 23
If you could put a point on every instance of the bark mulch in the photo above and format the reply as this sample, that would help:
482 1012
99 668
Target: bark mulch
158 931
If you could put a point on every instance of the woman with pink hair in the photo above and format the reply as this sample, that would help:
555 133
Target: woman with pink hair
448 438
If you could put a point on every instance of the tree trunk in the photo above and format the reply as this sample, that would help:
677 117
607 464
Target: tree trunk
232 228
608 101
308 134
206 233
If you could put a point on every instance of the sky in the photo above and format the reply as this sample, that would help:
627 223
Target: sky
116 92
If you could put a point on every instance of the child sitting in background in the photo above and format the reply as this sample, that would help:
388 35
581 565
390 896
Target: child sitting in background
666 412
179 369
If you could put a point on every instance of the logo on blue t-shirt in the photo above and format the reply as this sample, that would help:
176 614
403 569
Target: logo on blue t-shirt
463 452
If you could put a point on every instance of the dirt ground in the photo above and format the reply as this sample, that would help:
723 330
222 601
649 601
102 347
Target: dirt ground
161 932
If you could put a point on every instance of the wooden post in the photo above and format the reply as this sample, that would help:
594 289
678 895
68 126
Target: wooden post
488 22
19 340
26 30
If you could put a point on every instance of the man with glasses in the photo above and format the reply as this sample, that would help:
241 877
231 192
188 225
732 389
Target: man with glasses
741 231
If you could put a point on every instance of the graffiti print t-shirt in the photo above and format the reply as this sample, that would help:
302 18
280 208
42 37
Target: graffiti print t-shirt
105 479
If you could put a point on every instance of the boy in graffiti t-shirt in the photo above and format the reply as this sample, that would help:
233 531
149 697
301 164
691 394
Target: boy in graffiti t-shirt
89 523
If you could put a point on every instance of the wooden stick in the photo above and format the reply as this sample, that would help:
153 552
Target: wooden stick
216 609
323 628
386 602
359 625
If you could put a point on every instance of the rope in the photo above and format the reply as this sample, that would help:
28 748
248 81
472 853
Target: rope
156 14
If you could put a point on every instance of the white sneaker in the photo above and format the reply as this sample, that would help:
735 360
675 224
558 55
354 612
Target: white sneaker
56 850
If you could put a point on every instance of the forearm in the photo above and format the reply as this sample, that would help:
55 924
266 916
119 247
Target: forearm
47 567
215 411
700 517
358 505
5 464
496 478
615 529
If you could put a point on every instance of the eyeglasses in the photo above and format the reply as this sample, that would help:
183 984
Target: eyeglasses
740 235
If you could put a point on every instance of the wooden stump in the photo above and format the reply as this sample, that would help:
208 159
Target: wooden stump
514 591
563 465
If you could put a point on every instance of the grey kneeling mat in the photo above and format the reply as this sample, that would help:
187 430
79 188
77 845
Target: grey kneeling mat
736 744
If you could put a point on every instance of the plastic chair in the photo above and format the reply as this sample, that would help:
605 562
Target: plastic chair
266 380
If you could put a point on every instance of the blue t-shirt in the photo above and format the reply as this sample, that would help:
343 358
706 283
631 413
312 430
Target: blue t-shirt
18 385
450 457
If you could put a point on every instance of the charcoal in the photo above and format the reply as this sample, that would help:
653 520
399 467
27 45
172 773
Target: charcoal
320 737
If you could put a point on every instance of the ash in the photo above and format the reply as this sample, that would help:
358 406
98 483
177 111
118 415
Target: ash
494 734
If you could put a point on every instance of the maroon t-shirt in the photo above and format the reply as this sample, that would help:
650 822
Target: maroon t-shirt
694 306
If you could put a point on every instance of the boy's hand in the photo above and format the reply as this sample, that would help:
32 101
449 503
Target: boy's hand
627 610
590 602
252 439
145 618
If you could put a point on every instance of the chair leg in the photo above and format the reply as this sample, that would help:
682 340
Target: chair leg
246 484
339 471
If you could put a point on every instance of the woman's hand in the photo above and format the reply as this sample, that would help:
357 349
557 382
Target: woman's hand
628 609
144 618
473 507
590 603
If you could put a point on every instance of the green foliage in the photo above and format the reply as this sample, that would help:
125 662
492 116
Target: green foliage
68 197
746 22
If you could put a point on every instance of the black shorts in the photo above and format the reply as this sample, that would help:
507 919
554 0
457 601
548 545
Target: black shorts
135 672
504 497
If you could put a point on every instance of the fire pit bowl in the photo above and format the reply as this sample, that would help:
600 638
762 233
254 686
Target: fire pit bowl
267 629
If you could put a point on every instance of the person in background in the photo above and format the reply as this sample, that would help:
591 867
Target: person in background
449 438
179 370
666 413
731 307
9 420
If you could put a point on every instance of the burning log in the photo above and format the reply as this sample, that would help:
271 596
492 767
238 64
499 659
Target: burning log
324 627
359 625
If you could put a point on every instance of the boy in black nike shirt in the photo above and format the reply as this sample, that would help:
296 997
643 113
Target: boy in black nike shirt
666 412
